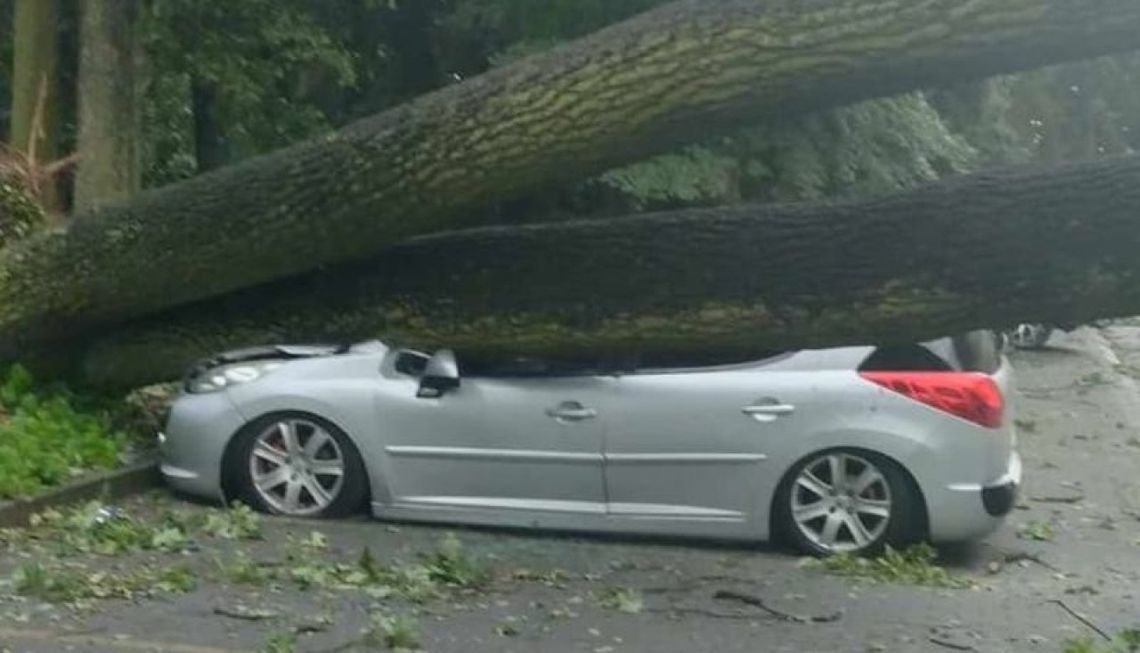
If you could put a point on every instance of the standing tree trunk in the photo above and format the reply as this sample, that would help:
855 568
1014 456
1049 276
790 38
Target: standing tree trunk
635 89
34 127
109 103
210 148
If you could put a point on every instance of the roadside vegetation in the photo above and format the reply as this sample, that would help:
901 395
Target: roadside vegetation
49 435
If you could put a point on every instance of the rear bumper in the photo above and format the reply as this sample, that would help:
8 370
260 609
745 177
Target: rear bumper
999 500
967 511
999 497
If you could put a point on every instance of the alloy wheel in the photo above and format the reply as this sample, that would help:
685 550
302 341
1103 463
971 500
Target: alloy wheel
841 502
297 467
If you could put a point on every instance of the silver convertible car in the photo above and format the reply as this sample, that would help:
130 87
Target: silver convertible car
838 450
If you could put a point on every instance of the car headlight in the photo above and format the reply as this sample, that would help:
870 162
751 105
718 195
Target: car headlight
220 378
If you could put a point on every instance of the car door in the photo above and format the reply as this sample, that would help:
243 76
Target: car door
692 443
525 442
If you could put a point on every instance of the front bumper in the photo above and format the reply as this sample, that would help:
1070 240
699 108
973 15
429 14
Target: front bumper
966 511
192 446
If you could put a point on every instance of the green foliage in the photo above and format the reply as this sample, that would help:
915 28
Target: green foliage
622 599
45 439
449 565
913 566
93 528
61 585
446 568
243 570
1127 641
262 60
696 175
398 632
872 148
1040 531
477 33
240 522
19 213
280 642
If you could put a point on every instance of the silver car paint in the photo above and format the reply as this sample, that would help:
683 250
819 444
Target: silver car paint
681 452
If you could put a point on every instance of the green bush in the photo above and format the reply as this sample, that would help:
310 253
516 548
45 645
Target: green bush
45 438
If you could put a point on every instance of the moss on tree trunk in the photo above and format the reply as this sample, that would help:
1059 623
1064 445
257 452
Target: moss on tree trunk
109 103
985 250
672 75
35 62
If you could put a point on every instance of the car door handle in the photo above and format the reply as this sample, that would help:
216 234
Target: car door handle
571 411
768 412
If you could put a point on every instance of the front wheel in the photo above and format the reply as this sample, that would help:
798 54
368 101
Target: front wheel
299 465
845 501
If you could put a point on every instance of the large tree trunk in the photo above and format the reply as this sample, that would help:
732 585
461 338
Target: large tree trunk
33 127
109 103
628 91
978 251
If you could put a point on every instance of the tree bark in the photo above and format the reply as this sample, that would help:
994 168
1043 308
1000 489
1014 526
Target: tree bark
210 147
109 103
632 90
35 63
987 250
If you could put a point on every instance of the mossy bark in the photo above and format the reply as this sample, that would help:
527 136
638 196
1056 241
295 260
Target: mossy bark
669 76
987 250
109 103
35 68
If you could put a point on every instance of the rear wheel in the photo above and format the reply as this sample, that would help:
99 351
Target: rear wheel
846 501
299 465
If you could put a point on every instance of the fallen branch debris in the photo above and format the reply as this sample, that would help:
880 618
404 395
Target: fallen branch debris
755 601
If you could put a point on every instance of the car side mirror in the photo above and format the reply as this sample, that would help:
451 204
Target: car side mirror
411 363
441 375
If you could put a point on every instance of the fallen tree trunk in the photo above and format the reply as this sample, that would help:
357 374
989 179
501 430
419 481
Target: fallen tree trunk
641 87
980 251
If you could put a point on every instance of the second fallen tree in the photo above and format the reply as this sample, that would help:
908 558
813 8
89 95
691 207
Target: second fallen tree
983 250
676 74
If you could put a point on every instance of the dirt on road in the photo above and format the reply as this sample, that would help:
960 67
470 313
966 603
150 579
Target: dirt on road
192 579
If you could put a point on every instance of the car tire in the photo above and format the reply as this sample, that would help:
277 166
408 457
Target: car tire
321 476
820 523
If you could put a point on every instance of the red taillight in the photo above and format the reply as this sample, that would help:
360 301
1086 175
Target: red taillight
973 397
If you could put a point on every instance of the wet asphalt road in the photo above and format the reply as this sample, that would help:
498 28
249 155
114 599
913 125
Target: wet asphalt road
1079 411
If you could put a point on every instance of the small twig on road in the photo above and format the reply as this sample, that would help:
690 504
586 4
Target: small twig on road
310 627
694 583
755 601
951 645
1010 557
701 612
1077 498
1076 615
244 614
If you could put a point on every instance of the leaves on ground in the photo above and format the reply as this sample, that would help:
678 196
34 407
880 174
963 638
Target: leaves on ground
1127 641
913 566
397 632
622 599
1039 531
